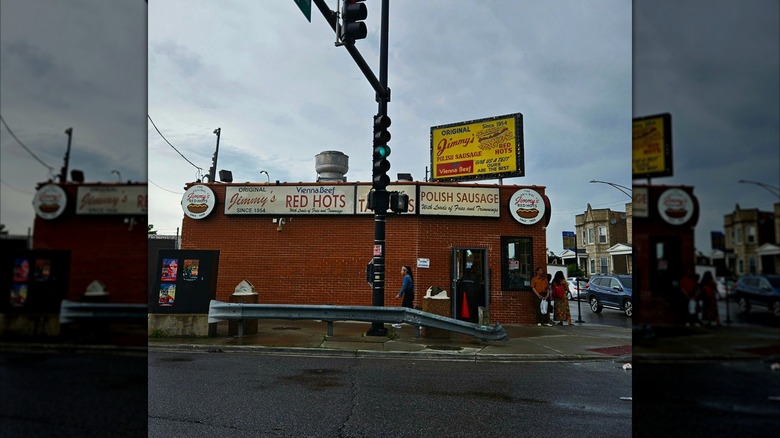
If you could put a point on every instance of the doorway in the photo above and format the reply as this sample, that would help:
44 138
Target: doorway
469 283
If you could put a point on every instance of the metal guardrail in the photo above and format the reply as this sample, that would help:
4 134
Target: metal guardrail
221 311
72 311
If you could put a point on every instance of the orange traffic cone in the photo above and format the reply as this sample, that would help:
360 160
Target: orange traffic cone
464 308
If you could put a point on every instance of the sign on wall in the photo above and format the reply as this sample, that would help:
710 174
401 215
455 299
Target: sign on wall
459 201
479 149
286 200
198 201
49 201
675 206
111 199
652 146
527 206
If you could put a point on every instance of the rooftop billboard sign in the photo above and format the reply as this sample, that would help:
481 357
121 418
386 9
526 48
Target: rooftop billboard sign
478 149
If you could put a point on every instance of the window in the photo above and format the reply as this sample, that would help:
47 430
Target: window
590 235
584 237
740 266
592 266
602 234
750 231
604 265
517 267
752 264
739 236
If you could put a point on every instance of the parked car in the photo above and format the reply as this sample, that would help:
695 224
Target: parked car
611 291
576 288
758 290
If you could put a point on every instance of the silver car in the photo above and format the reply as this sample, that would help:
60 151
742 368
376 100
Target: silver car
576 288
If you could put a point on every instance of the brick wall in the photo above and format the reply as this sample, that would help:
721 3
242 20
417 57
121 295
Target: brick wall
103 247
322 259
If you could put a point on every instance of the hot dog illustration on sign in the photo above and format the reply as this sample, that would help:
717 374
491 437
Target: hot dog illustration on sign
527 206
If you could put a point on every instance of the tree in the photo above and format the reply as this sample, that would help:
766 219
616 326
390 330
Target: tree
3 231
150 230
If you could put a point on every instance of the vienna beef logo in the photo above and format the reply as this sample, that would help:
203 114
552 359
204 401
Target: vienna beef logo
456 168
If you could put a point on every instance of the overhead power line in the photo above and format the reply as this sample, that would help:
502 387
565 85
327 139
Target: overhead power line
169 143
23 145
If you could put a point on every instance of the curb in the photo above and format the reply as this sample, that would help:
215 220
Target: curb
470 356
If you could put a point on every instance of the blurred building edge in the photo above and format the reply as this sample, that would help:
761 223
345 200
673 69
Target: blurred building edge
751 242
82 232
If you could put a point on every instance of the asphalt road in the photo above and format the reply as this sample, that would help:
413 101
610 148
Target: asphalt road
707 399
45 394
220 394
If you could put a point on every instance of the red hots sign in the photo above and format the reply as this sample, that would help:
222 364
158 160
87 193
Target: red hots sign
479 149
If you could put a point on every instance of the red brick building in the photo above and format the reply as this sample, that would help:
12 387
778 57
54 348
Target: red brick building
309 243
664 222
104 227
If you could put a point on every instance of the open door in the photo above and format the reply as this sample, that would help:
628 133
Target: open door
469 283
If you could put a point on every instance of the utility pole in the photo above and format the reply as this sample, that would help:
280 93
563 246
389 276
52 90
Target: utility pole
213 170
64 171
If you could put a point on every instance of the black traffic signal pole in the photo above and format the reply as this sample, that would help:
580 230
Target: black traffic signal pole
382 98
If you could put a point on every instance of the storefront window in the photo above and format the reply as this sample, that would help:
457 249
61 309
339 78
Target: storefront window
517 267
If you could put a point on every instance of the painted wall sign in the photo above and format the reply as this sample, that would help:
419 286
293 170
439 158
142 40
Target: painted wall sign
675 206
527 206
198 201
459 201
49 201
111 199
479 149
314 199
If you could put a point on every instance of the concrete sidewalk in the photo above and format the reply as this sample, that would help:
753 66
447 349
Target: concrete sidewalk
306 337
580 342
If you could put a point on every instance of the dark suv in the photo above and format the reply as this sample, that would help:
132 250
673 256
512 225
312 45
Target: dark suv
761 290
611 291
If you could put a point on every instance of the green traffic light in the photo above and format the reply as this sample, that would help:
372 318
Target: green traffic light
382 151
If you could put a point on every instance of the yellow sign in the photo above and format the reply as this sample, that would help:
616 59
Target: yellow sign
652 146
480 149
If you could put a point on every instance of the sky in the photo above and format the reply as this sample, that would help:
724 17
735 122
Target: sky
78 64
716 70
282 92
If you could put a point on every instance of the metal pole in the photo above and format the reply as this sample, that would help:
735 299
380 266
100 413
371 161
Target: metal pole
213 173
577 280
64 171
380 217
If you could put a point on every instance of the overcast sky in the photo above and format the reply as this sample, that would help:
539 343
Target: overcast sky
79 64
716 71
282 92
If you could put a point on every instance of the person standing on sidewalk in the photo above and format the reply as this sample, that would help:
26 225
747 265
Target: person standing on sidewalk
559 287
407 290
540 287
708 293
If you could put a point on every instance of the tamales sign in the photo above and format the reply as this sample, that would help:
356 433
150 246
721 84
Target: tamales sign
479 149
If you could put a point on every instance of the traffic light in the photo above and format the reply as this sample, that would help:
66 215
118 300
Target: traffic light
399 202
381 152
352 28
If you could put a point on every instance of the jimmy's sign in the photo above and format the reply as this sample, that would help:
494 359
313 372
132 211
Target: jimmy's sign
479 149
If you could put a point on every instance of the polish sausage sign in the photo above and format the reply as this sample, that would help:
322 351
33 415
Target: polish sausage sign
479 149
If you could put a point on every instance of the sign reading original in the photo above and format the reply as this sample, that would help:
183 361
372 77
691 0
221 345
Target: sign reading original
111 199
290 199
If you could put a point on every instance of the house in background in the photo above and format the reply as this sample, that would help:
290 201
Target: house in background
751 240
604 234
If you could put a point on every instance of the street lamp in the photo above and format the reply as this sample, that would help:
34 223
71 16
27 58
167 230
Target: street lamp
623 189
771 189
267 175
